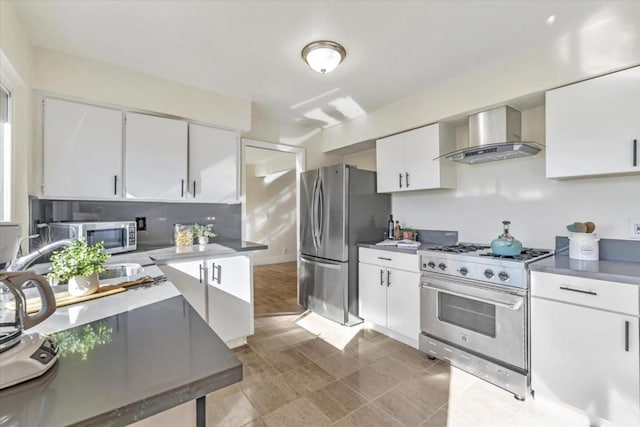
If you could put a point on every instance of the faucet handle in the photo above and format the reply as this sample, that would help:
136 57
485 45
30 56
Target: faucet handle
19 248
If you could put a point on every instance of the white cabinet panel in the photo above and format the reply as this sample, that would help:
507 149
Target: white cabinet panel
390 297
213 164
82 150
587 358
156 157
405 161
403 302
372 293
591 126
390 163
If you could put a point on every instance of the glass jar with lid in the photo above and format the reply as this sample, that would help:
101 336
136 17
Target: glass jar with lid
183 234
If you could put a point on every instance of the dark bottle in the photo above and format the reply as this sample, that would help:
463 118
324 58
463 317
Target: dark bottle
390 228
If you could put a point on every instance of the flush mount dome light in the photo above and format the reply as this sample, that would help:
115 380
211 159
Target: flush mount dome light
323 56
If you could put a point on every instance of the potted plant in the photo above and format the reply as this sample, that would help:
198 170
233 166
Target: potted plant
203 233
79 265
409 233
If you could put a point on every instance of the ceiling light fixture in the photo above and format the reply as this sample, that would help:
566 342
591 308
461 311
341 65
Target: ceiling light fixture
323 56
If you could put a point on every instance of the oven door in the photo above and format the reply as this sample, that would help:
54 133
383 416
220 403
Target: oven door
478 318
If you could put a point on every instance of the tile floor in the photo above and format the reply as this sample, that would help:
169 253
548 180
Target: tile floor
294 376
275 289
304 370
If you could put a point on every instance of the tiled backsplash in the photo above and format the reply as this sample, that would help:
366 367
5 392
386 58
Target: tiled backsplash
160 217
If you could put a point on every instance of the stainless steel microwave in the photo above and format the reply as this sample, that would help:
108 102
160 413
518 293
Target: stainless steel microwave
118 236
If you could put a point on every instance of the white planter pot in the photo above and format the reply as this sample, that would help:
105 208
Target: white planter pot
203 240
83 285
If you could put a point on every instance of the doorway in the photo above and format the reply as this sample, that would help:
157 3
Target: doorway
270 215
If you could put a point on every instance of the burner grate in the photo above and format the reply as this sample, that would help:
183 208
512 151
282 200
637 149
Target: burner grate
460 249
525 255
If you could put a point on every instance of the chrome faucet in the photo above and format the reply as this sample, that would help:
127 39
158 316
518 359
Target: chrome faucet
21 263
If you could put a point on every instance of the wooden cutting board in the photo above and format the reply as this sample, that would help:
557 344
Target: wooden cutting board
64 298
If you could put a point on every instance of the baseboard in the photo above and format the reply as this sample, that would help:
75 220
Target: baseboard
274 259
399 337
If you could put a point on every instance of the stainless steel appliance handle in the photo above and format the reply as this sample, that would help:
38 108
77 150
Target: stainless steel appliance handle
325 264
314 213
320 212
515 306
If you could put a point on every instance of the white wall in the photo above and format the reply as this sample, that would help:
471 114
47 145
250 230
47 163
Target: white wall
517 190
95 81
365 159
17 51
271 215
598 49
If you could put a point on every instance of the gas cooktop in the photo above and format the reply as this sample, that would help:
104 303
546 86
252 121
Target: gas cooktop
472 249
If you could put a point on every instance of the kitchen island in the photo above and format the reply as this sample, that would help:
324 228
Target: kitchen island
125 367
138 353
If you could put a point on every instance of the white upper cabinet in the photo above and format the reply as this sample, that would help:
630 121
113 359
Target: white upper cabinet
156 157
213 164
593 127
82 151
405 161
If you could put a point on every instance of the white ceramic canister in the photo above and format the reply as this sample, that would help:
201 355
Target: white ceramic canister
584 246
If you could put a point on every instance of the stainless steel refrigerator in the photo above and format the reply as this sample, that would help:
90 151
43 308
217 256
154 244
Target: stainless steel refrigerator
339 207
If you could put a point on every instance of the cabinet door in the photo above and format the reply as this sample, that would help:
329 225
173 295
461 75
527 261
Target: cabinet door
579 356
390 164
213 164
156 157
591 126
403 302
421 146
82 150
372 293
187 277
230 297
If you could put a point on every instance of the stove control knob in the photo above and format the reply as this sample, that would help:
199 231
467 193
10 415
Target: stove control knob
488 273
442 266
432 264
503 276
464 271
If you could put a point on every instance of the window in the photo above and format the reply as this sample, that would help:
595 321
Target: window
5 154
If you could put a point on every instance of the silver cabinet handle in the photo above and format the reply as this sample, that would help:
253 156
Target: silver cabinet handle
626 335
115 185
406 181
388 278
400 177
182 188
215 267
567 288
200 267
386 259
194 188
219 268
381 277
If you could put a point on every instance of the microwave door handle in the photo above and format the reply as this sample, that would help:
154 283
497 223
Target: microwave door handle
515 306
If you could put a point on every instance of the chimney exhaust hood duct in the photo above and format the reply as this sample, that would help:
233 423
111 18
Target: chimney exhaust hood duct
494 135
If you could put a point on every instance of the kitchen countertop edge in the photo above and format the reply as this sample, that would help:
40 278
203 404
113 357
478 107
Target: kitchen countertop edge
411 251
612 271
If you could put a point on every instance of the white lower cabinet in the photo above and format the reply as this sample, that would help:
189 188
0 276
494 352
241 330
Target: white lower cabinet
390 297
228 309
585 355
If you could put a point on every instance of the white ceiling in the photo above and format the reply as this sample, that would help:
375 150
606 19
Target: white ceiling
251 49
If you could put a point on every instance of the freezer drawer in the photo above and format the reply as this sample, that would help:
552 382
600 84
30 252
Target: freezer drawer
324 288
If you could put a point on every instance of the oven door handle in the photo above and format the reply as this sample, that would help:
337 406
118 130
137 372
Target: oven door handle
515 306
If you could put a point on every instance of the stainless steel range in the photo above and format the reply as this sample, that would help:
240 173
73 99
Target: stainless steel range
474 312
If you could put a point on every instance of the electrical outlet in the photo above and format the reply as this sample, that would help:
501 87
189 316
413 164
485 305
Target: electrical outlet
634 229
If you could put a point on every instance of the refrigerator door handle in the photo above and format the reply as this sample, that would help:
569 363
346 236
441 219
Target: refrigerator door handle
314 213
320 212
325 264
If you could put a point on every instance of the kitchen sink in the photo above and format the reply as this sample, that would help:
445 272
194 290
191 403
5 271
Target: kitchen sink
113 271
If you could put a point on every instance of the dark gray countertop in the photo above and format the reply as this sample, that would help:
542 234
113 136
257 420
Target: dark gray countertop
153 358
613 271
212 250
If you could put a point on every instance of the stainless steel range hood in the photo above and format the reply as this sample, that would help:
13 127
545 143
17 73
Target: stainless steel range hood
494 135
